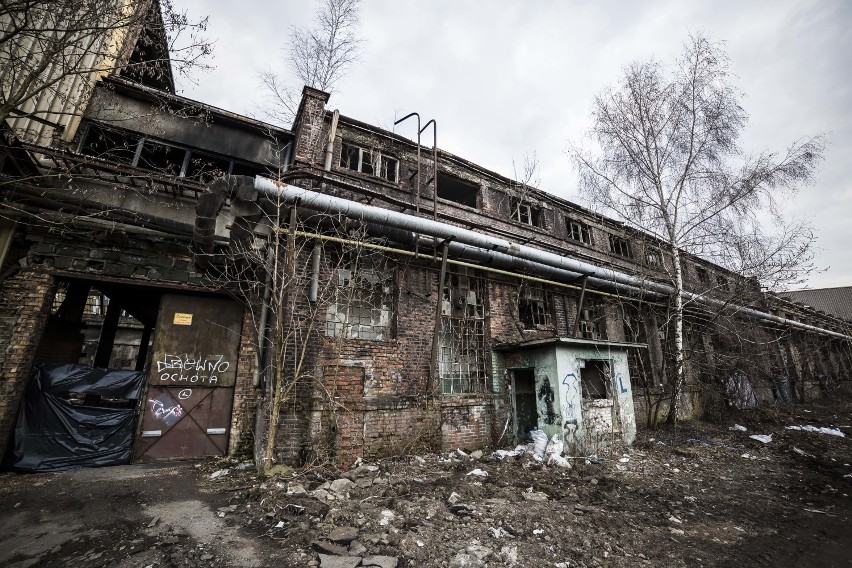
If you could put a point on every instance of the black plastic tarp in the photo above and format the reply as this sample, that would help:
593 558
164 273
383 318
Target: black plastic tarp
53 433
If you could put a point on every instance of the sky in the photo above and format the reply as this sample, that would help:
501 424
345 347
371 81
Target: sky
504 78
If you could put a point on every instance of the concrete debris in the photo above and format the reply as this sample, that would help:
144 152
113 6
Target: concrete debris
326 547
809 428
534 496
219 473
296 489
153 522
497 532
478 472
738 428
461 454
453 498
380 561
343 535
386 517
342 486
477 455
327 561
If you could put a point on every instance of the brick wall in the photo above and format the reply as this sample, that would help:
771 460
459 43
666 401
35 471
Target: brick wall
25 300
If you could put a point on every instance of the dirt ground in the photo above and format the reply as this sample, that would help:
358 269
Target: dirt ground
701 495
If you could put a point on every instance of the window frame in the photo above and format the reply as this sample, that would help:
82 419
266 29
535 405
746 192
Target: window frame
375 166
617 243
584 229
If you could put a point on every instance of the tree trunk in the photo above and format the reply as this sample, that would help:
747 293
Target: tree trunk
677 387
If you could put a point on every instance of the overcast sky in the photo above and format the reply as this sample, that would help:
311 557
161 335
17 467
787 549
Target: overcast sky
503 78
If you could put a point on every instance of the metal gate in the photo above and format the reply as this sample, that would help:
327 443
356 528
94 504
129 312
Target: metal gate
191 378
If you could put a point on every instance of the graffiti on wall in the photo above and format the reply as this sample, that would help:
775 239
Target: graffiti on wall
163 409
192 369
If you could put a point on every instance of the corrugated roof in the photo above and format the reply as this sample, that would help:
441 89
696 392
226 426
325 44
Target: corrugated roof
834 301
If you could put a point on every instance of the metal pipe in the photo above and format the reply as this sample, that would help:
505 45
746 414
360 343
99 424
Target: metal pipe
315 269
264 317
434 124
626 282
417 188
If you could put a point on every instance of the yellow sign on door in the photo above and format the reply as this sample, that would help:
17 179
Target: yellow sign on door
182 319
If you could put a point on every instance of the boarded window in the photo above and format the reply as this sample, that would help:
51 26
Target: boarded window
461 348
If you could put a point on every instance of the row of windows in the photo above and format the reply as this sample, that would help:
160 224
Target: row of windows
154 155
463 192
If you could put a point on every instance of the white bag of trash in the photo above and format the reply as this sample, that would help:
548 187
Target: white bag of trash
539 439
554 447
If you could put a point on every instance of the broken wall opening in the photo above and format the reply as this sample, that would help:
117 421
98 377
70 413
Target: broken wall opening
526 412
461 347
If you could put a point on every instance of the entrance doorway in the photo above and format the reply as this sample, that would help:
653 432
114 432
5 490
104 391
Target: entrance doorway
526 413
187 407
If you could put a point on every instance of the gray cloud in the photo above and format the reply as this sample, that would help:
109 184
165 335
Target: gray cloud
505 77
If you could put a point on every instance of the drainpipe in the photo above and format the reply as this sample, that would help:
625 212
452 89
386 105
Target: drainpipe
264 317
315 270
494 245
329 147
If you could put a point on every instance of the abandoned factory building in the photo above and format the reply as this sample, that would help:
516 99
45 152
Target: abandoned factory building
335 290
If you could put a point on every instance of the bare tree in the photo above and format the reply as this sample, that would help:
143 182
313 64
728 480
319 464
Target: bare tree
318 56
52 51
664 157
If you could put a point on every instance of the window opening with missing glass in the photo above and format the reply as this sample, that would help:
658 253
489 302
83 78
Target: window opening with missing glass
534 307
592 324
620 246
594 378
370 162
169 159
458 190
362 302
578 231
653 257
525 213
461 346
702 274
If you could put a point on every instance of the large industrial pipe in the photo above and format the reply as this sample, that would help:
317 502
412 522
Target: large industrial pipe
498 247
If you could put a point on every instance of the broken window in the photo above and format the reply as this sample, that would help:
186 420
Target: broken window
702 274
109 144
461 349
457 190
362 305
163 158
578 231
534 307
638 359
594 378
620 246
205 167
653 257
592 320
724 283
525 213
371 162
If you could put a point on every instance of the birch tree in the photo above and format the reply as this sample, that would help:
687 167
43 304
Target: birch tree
663 155
318 56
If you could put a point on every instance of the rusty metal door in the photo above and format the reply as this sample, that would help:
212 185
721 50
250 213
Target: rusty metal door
191 380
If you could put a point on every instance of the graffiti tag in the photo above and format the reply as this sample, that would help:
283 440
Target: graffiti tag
163 413
621 388
185 394
192 369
